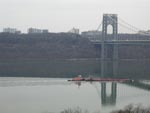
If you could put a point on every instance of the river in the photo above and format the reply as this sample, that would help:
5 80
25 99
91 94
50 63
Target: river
43 95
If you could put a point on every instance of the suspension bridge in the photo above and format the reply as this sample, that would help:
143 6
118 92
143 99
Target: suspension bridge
115 40
117 35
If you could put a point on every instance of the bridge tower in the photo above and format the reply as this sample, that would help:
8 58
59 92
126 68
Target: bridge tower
109 19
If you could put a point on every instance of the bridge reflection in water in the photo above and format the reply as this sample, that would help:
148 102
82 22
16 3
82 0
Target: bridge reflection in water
108 99
105 98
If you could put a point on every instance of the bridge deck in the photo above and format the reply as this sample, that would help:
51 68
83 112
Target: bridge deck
122 42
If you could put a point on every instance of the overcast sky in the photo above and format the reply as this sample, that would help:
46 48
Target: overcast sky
62 15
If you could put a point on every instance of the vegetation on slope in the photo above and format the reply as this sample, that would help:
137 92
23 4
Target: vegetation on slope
45 46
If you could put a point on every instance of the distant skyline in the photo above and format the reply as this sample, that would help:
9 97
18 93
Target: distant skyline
62 15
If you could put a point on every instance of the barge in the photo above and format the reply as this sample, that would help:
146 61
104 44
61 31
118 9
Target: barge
92 79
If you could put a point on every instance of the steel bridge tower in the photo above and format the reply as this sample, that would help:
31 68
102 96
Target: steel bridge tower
109 19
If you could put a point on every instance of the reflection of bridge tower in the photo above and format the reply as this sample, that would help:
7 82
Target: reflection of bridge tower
109 19
108 100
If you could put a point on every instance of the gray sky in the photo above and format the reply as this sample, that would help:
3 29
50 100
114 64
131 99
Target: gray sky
62 15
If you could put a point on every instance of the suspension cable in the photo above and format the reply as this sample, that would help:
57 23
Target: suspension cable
132 28
146 33
99 26
122 24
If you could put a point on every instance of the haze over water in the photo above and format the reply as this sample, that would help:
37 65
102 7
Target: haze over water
69 54
38 95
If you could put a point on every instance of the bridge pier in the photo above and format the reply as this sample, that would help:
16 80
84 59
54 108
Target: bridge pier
109 19
115 60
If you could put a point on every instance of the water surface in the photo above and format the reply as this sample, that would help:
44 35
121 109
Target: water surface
38 95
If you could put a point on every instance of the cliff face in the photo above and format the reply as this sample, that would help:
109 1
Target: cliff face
47 46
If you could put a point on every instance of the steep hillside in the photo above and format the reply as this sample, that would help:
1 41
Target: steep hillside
47 46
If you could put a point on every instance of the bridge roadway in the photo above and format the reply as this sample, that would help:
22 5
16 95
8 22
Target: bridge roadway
143 42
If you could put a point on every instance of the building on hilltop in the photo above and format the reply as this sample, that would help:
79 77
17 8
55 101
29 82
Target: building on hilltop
142 32
37 31
74 30
11 30
92 35
45 31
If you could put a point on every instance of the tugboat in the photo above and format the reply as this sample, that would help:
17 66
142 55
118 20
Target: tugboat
78 78
90 78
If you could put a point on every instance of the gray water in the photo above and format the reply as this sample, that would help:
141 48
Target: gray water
40 95
127 68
